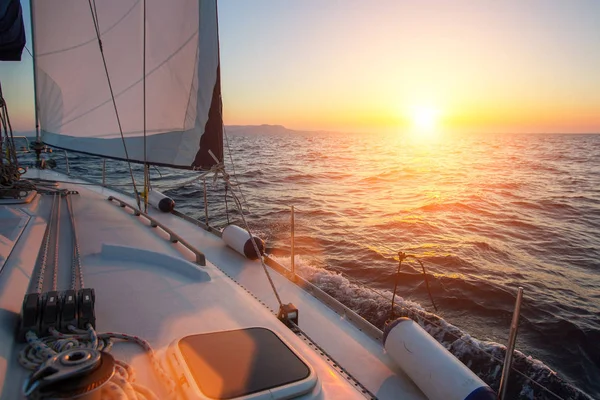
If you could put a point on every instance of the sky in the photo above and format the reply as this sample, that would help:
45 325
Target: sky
389 65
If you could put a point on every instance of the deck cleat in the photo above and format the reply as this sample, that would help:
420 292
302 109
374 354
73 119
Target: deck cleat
30 315
288 314
86 298
68 311
50 312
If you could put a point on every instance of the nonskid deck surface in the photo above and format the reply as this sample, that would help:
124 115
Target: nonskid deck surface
147 286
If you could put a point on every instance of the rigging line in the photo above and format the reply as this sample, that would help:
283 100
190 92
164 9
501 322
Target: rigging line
425 276
42 183
146 168
110 28
56 243
401 257
96 26
233 169
36 113
187 182
226 206
395 287
126 89
44 249
477 347
239 205
241 210
420 314
76 269
9 132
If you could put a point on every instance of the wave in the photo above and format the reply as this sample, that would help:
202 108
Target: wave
533 379
482 212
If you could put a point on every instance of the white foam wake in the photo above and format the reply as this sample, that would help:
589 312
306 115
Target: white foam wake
484 358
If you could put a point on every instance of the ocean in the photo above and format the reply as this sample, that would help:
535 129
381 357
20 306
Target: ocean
485 214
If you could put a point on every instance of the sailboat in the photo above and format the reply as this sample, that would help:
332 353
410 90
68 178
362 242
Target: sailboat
106 294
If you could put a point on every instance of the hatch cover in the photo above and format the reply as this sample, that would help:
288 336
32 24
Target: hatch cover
230 364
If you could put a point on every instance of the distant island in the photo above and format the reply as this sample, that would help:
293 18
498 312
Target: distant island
266 129
259 129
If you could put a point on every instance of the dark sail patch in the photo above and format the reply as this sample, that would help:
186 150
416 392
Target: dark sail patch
12 30
212 139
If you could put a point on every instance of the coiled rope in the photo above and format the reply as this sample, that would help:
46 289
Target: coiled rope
122 385
94 12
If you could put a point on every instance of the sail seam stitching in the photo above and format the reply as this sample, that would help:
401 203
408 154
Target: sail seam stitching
194 71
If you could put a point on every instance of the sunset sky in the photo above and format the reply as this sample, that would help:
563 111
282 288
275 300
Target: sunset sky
362 66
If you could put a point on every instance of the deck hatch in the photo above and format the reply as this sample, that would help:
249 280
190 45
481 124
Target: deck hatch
230 364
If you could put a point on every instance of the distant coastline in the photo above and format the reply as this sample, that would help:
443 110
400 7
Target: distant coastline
269 129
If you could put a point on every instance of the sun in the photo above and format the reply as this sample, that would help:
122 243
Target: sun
425 119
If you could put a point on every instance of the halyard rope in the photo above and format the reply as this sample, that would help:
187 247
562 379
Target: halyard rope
44 255
146 168
112 95
56 242
257 252
76 270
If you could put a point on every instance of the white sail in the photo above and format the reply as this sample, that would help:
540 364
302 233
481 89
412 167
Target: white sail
183 95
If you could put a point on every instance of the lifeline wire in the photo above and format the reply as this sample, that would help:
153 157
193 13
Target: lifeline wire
237 183
471 344
460 338
221 169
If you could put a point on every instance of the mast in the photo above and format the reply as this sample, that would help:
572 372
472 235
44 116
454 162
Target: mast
146 166
35 105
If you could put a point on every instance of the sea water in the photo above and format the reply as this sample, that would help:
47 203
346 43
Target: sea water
484 213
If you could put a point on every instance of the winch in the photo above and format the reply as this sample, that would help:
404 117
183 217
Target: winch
75 373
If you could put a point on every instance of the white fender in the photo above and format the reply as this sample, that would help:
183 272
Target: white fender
438 374
160 201
239 240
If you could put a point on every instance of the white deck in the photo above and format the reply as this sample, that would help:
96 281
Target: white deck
144 286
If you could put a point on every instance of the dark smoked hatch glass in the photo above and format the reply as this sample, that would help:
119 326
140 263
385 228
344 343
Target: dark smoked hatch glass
235 363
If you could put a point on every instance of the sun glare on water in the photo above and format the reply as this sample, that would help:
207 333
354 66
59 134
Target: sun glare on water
425 121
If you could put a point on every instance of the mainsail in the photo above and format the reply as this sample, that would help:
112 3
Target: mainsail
180 46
